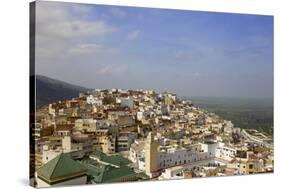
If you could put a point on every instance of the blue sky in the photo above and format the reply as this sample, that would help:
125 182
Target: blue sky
186 52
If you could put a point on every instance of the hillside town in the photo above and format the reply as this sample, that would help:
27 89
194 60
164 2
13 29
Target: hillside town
118 135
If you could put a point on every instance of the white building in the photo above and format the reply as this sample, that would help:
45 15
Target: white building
180 172
93 100
139 116
125 102
225 152
163 157
137 151
170 156
176 172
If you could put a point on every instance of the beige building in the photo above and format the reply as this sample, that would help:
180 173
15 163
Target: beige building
151 156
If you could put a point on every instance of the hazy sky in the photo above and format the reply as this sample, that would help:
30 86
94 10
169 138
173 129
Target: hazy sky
187 52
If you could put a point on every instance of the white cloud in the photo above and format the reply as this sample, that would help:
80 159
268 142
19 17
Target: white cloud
91 49
73 29
134 34
111 69
67 35
59 20
71 44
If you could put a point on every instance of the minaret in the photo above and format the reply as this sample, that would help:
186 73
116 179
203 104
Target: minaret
151 155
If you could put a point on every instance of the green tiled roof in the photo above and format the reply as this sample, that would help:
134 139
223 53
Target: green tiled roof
101 173
93 168
60 167
114 159
109 174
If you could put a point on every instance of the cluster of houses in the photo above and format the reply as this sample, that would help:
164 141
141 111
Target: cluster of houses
120 135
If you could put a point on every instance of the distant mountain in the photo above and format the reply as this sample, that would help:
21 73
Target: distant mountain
254 113
50 90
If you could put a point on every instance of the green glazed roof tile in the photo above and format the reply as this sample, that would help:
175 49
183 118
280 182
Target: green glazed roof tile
60 166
